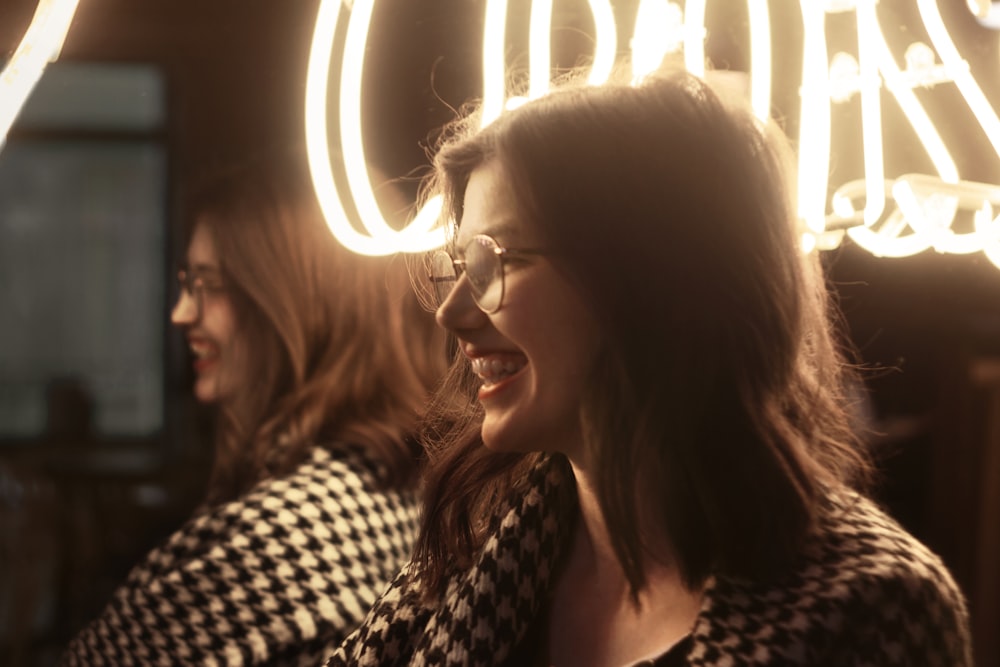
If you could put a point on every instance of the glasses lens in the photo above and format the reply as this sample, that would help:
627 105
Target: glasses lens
485 271
443 275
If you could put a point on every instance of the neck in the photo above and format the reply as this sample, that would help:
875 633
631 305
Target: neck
593 618
592 542
594 549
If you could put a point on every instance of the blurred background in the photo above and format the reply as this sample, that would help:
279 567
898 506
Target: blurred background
102 449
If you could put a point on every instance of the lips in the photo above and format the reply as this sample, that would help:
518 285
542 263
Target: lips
494 368
205 352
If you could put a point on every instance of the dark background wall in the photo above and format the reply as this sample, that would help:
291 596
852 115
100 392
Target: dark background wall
234 70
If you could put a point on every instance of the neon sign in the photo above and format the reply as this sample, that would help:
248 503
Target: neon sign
41 45
897 216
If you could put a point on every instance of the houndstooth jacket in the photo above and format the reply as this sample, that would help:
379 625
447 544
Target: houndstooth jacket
865 593
277 577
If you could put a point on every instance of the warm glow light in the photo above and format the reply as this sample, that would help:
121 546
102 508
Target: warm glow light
694 37
41 45
422 233
888 217
901 85
925 206
760 59
494 67
659 30
928 210
986 12
959 71
814 119
540 40
871 110
606 41
760 50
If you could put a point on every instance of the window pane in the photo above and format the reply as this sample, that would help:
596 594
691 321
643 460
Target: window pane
81 283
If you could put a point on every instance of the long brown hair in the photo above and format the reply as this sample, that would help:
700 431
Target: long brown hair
339 348
717 406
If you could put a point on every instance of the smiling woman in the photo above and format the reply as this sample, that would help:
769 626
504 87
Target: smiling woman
207 317
646 452
318 362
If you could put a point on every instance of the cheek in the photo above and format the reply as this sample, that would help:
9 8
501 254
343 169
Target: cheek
234 366
222 326
552 324
561 349
239 355
232 371
571 328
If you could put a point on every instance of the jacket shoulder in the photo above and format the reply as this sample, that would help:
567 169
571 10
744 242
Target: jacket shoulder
865 591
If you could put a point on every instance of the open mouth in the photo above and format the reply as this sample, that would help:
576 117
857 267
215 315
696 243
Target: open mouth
494 368
204 352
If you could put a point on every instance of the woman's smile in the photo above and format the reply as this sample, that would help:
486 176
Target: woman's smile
494 368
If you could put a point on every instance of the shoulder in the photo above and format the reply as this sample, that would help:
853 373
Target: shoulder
291 567
325 534
864 591
328 492
333 497
856 543
335 473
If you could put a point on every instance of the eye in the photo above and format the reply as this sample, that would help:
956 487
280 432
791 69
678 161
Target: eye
209 284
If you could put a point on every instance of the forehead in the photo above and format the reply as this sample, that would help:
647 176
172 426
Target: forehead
490 207
201 248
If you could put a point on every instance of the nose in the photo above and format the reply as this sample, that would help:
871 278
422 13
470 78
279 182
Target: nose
459 310
185 312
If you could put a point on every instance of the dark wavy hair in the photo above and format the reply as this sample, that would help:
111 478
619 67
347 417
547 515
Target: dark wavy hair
718 407
339 348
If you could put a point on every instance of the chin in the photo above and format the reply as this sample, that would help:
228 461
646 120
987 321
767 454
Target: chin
206 395
503 441
492 442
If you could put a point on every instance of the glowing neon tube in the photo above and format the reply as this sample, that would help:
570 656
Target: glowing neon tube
540 40
41 45
814 119
421 234
659 30
959 71
871 110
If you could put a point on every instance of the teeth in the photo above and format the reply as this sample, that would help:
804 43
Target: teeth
492 370
202 351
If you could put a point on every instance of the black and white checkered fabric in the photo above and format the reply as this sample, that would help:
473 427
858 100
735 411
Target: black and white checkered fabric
278 577
866 593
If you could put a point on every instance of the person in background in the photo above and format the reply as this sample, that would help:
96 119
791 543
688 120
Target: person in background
318 363
644 453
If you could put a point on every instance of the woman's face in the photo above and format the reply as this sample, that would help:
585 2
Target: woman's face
534 353
205 312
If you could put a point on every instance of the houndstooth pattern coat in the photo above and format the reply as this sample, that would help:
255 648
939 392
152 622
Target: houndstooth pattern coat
277 577
865 593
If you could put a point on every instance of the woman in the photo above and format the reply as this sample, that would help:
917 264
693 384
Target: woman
319 362
654 461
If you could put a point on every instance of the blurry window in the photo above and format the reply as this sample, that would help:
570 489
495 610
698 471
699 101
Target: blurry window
82 247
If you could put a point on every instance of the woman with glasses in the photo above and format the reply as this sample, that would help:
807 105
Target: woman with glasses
645 456
318 362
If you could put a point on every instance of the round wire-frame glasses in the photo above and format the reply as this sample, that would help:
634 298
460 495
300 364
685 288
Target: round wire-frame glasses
196 284
482 261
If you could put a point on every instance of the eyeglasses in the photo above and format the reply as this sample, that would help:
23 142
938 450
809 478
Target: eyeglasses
483 263
196 284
